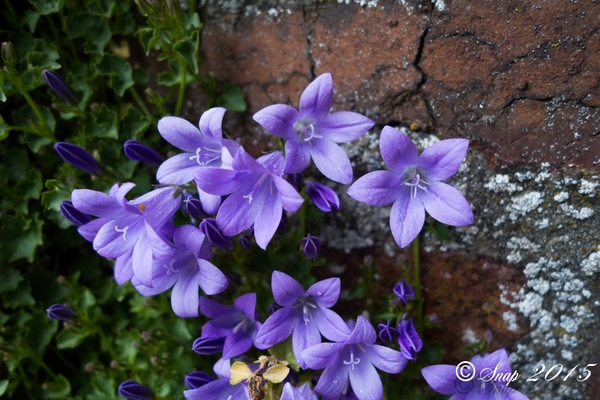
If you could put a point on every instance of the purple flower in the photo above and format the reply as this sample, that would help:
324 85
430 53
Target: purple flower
138 151
128 230
197 379
59 312
312 133
414 184
408 338
72 214
323 196
193 207
303 392
184 270
214 235
404 291
58 84
78 157
258 193
353 360
208 346
219 389
310 246
387 333
297 180
305 315
483 378
133 390
237 324
246 240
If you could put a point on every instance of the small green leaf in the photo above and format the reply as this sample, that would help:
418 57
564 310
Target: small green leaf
9 279
41 60
94 29
41 331
192 22
171 79
30 19
102 8
232 98
47 7
148 37
86 301
4 127
188 49
119 71
102 123
55 195
19 297
69 340
59 389
30 187
3 386
134 124
284 351
19 237
26 118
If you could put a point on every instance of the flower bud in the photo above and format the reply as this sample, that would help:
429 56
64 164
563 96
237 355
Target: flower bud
68 210
9 55
310 246
387 334
408 338
296 180
193 207
58 84
58 312
212 232
323 196
208 346
273 307
246 240
133 390
197 379
138 151
78 157
404 292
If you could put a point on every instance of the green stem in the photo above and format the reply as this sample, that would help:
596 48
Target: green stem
42 364
140 103
11 10
34 107
182 84
417 282
192 7
63 359
63 24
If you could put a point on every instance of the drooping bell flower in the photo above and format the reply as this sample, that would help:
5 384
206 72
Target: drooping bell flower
58 84
137 151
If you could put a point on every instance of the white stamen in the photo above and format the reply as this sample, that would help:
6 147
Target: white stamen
124 231
171 269
352 361
414 183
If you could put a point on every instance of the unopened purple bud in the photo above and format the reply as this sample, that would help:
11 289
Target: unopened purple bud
273 307
193 207
212 232
310 246
58 84
197 379
133 390
78 157
387 334
234 278
137 151
58 312
408 338
246 240
404 292
488 336
297 180
208 346
323 196
283 223
68 210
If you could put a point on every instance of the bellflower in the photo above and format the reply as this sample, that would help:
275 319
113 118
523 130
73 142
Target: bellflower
323 196
58 312
312 133
133 390
220 388
238 324
209 227
408 338
72 214
353 360
310 246
257 194
208 346
304 314
303 392
58 84
138 151
197 379
414 184
193 207
483 378
404 291
203 148
184 270
78 157
128 230
387 333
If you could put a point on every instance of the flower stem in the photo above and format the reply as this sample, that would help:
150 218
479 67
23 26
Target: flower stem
140 103
42 364
48 132
182 84
417 282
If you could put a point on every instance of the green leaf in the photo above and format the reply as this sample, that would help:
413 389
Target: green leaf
69 340
42 60
30 19
19 297
3 386
86 301
285 351
102 123
35 142
118 70
26 118
54 195
46 7
9 279
41 331
134 124
4 127
171 79
102 8
94 29
31 186
192 22
188 49
232 98
148 37
59 389
19 237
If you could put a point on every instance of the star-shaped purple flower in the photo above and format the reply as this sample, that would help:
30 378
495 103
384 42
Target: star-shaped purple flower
186 269
414 184
220 389
305 314
354 360
312 133
483 378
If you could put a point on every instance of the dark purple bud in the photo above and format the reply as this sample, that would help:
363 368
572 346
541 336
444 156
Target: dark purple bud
197 379
246 240
310 246
283 223
58 312
138 151
58 84
323 196
68 210
193 207
488 336
297 180
133 390
408 338
234 278
404 292
208 346
212 232
387 334
78 157
273 307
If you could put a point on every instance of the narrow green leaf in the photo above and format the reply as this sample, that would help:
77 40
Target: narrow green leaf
30 19
47 7
192 22
3 386
188 49
69 340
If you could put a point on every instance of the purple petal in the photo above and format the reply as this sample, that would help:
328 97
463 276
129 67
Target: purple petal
185 297
219 181
162 280
123 268
112 241
317 97
386 359
442 159
397 150
442 378
237 343
447 205
334 379
286 289
91 229
365 381
498 360
244 162
268 216
211 122
297 156
180 133
406 219
321 355
96 203
247 304
210 202
363 332
190 237
276 329
142 262
278 119
290 198
237 213
177 170
160 247
211 279
331 160
158 206
306 334
214 309
377 188
331 325
326 292
343 126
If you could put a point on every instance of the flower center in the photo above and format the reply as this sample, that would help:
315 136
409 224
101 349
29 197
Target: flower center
257 185
124 231
306 130
205 155
353 361
242 325
415 181
306 305
171 268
